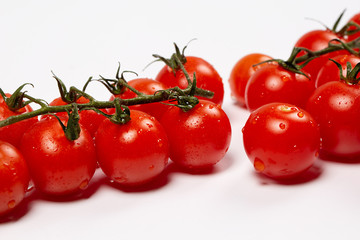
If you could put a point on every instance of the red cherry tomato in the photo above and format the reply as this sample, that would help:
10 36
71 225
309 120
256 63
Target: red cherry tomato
146 86
133 153
206 77
241 73
315 40
355 19
200 137
88 118
13 133
336 107
273 83
330 72
57 165
281 140
14 177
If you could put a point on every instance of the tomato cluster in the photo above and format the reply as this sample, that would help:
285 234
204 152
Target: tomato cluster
60 152
305 107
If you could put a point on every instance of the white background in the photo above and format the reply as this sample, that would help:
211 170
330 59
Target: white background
77 39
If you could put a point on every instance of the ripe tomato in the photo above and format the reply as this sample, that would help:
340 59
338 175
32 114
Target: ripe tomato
206 77
14 177
133 153
281 140
200 137
315 40
330 72
273 83
336 107
241 73
147 86
88 118
58 166
13 133
355 19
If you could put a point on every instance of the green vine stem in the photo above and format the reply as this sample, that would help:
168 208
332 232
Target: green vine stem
163 95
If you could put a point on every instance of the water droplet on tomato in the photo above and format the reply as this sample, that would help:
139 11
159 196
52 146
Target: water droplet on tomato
11 204
243 129
121 179
259 165
211 106
284 78
160 142
255 120
300 114
151 167
83 185
317 154
282 126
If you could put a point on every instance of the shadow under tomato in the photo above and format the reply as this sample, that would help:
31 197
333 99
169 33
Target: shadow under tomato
313 173
21 210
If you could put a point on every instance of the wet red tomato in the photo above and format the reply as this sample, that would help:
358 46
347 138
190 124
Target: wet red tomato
133 153
281 140
58 166
14 177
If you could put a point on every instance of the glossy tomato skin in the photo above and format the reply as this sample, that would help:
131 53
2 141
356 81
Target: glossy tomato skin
355 19
146 86
336 107
206 77
14 177
58 166
13 133
281 140
315 40
200 137
330 72
272 83
88 118
134 153
241 73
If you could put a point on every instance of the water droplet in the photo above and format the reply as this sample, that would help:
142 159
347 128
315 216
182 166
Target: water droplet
211 106
255 120
317 154
160 142
243 129
282 126
83 185
284 78
151 167
121 179
140 131
11 204
259 165
300 114
149 125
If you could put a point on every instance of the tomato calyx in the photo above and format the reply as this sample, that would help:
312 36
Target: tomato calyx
122 113
118 85
72 128
173 62
351 73
16 100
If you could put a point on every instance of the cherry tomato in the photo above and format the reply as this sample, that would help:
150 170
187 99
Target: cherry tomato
88 118
273 83
330 72
355 19
241 73
133 153
14 177
336 107
200 137
13 133
281 140
206 77
315 40
146 86
58 166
